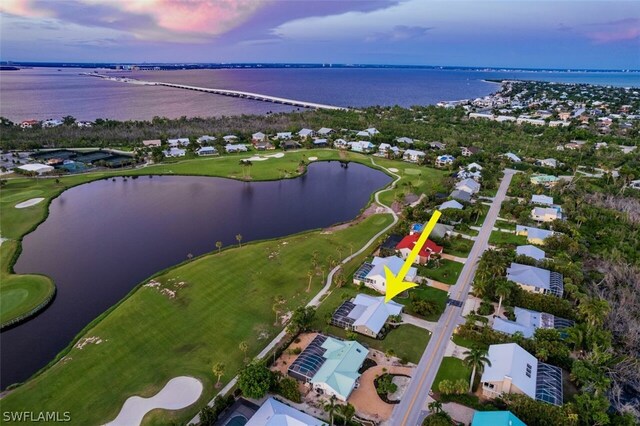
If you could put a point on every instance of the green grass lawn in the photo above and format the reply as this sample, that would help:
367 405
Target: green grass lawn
426 293
150 338
451 369
506 239
457 246
447 272
461 341
503 224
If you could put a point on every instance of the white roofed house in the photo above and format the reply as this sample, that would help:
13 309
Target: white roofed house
548 162
238 147
413 155
385 149
340 143
536 280
365 314
274 413
362 146
530 251
514 158
372 131
468 185
528 321
283 135
444 160
205 139
542 200
451 204
152 143
404 139
514 370
207 150
305 133
174 152
546 214
174 143
372 274
534 235
363 134
474 166
258 137
230 138
325 131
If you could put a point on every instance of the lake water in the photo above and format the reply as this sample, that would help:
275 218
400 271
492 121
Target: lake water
104 237
43 93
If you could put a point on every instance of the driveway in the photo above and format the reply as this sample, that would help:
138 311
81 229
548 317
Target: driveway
366 400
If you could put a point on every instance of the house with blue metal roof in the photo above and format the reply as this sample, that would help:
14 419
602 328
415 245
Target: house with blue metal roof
496 418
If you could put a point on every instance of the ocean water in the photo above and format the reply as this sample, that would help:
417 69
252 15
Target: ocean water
42 93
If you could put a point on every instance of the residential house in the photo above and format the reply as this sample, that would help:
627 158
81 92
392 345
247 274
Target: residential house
330 366
441 230
514 370
362 146
534 235
274 413
373 275
528 120
263 145
84 124
305 133
320 142
174 152
230 138
340 143
451 204
548 162
528 321
283 135
437 145
174 143
546 214
372 131
559 123
205 139
486 116
52 123
635 184
468 152
407 244
600 145
258 137
444 160
536 280
404 139
385 149
543 200
495 418
514 158
504 118
325 131
238 147
152 143
365 314
474 167
207 150
468 185
28 124
413 155
290 144
363 134
530 251
627 149
460 195
546 180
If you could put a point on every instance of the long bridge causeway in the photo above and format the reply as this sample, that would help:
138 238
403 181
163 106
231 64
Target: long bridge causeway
223 92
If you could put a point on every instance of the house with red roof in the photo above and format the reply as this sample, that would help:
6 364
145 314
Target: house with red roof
407 244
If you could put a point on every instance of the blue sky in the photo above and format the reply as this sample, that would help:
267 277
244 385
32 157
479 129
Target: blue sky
509 33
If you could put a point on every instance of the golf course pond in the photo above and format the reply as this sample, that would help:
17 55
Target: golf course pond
103 238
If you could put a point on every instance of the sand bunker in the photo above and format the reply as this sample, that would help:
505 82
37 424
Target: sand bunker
29 203
179 392
313 158
393 170
266 157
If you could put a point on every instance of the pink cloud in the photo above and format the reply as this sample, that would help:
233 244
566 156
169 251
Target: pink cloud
616 31
22 8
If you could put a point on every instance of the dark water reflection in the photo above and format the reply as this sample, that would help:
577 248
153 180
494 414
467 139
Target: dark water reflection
104 237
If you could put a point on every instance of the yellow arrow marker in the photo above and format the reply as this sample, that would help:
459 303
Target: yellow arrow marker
395 284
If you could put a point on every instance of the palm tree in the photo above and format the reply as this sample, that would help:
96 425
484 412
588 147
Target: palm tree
244 347
219 245
239 238
331 407
277 303
576 336
476 210
310 274
218 371
502 290
435 407
476 358
594 310
347 412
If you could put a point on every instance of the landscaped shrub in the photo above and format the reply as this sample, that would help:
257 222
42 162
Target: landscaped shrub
288 388
486 308
423 307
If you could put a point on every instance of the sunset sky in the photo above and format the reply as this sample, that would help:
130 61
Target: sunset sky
558 34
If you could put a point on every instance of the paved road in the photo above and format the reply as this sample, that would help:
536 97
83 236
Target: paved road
412 408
